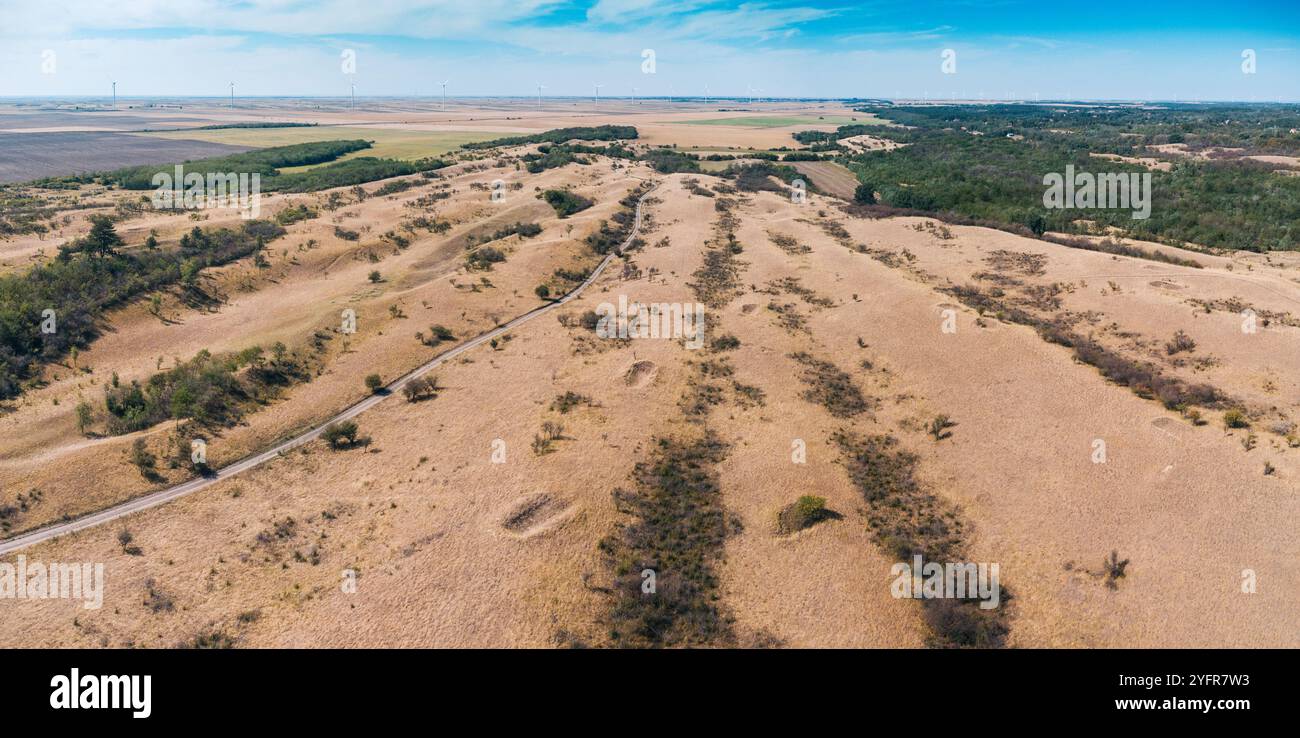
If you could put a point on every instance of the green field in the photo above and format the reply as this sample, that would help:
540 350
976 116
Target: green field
764 121
389 143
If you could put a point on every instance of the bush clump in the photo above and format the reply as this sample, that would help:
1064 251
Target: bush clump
565 203
802 513
342 434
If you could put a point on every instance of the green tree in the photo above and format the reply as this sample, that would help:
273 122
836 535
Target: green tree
85 416
102 239
341 434
865 194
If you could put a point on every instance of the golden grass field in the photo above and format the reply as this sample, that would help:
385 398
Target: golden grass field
392 143
459 533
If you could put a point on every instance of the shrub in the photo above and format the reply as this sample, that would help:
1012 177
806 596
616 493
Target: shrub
803 513
438 334
395 186
125 539
143 459
341 434
1180 342
726 342
289 216
1114 567
568 401
939 427
1235 418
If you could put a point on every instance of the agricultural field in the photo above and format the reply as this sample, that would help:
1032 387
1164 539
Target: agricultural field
391 143
27 156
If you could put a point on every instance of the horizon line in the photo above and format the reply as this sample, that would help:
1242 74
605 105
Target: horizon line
669 98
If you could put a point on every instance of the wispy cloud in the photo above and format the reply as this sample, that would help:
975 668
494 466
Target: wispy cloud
798 47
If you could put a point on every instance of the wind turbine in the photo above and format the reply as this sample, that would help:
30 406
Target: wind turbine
706 94
444 93
634 96
232 95
354 95
114 94
540 87
598 96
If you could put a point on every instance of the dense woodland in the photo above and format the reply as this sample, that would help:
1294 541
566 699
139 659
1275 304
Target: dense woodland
988 163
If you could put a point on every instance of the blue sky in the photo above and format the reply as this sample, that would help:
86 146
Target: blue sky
774 48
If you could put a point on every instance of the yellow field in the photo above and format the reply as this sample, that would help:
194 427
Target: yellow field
776 121
390 143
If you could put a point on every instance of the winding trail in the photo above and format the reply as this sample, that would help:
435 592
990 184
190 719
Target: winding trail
154 499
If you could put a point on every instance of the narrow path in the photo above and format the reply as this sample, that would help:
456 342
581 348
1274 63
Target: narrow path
154 499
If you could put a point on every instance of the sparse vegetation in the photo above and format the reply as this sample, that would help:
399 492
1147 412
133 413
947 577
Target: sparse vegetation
830 387
566 402
676 530
907 521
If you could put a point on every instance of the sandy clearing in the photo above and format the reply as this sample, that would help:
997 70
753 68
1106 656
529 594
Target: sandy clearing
1146 161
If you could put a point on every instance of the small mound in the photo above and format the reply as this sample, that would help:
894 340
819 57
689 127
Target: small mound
533 514
641 374
1166 284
